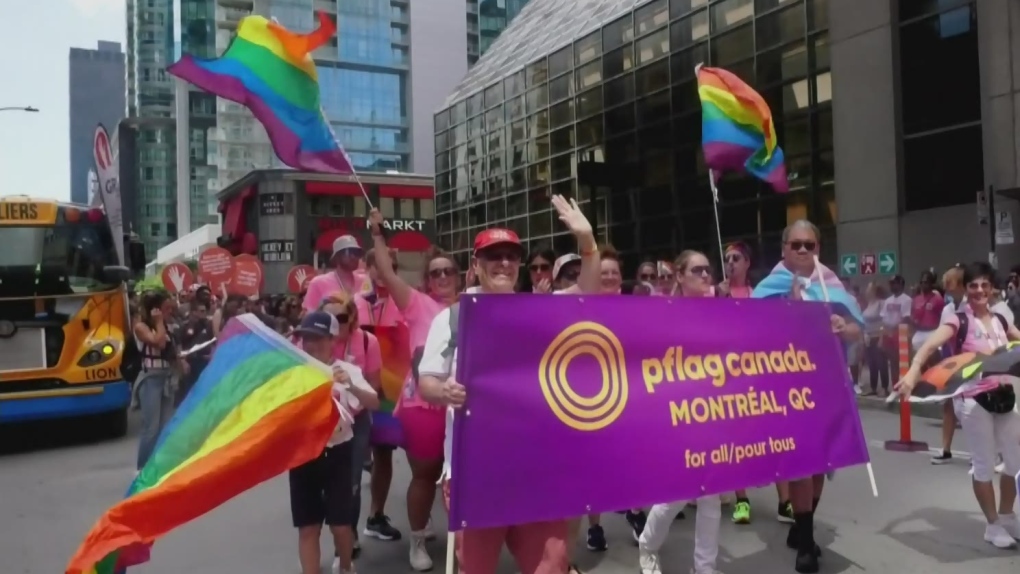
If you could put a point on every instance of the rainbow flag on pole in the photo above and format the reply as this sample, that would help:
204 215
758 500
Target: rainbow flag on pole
737 133
260 408
269 70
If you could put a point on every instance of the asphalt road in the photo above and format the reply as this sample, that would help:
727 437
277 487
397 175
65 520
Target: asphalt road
54 486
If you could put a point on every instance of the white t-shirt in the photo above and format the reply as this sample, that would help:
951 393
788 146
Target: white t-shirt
1000 308
896 309
434 364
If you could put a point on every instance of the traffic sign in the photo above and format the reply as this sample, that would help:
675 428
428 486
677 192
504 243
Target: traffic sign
868 264
887 262
848 264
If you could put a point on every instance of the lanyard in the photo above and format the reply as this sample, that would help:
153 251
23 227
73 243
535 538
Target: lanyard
340 281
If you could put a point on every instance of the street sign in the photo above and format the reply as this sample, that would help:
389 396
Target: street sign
887 263
848 264
1004 228
868 264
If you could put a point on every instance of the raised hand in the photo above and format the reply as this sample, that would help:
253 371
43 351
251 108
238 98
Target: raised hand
571 216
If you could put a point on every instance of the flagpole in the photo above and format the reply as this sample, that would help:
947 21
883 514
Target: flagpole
718 227
350 162
825 296
715 200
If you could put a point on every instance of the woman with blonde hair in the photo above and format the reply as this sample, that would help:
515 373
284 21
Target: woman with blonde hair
693 279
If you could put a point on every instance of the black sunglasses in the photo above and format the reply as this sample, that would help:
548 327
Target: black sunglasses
500 255
342 318
536 267
700 270
647 276
442 272
734 257
799 245
570 274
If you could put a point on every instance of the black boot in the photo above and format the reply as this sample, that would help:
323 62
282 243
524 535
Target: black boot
793 541
807 550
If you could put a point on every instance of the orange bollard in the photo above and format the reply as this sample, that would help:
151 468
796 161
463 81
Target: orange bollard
905 442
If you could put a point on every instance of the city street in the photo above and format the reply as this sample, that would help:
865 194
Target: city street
925 519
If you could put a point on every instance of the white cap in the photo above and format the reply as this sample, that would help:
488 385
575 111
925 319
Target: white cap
344 242
561 261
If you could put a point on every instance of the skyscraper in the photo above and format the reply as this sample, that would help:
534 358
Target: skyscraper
96 94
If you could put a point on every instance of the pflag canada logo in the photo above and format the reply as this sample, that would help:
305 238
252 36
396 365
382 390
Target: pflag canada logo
585 413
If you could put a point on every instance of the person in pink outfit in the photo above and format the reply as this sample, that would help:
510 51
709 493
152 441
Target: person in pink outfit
344 276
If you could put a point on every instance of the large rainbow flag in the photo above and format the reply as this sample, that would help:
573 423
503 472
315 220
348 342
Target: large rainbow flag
269 70
261 407
737 132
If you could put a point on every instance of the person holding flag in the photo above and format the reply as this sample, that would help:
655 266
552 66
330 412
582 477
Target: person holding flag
800 276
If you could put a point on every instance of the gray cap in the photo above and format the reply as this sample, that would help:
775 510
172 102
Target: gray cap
345 242
561 261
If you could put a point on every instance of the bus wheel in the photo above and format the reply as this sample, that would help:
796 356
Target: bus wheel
115 424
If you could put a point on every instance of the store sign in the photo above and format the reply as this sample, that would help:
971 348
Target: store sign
401 225
276 251
276 204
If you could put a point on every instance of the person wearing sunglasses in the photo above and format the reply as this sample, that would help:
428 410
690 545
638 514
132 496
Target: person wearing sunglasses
737 259
800 276
345 275
541 274
423 423
985 408
565 271
539 547
694 279
646 273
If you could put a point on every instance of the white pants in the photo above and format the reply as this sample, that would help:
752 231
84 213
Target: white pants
989 434
706 530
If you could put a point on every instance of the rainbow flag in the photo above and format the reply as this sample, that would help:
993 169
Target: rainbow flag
261 407
269 70
736 129
395 348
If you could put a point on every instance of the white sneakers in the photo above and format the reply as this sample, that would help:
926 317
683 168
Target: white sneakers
649 562
997 535
419 555
1011 524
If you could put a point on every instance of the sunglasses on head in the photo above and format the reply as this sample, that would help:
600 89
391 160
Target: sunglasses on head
802 245
536 267
442 272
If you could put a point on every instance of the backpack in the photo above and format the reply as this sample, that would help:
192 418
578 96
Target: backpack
451 347
996 401
130 359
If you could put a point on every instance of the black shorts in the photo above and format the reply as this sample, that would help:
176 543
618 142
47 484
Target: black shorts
322 490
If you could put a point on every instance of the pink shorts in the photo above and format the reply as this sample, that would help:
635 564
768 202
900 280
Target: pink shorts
424 431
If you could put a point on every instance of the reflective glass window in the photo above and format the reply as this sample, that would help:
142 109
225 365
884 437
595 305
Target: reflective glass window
780 27
689 30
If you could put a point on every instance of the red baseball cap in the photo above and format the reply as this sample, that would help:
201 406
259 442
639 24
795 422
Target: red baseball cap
498 236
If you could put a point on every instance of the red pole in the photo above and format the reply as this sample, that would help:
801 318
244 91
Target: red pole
906 442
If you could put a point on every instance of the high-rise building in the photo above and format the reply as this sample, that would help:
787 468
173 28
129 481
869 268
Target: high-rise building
486 21
96 95
150 37
158 32
892 116
377 92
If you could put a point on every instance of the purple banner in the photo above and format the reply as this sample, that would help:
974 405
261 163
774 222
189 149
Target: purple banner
595 404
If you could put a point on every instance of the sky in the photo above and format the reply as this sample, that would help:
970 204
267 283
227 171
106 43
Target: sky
34 148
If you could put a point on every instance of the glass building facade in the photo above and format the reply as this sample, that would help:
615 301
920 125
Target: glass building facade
613 118
365 84
486 21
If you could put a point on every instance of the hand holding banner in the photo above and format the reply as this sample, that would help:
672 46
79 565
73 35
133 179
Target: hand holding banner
707 396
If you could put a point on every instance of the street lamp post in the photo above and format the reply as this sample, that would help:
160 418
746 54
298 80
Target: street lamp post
19 109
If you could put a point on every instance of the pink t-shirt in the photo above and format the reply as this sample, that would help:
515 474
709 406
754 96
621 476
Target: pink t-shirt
740 292
926 310
979 340
383 312
362 349
328 283
418 315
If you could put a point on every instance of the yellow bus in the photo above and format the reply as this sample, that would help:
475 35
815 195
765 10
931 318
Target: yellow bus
63 313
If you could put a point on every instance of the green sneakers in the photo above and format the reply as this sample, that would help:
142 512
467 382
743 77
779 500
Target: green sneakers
742 512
